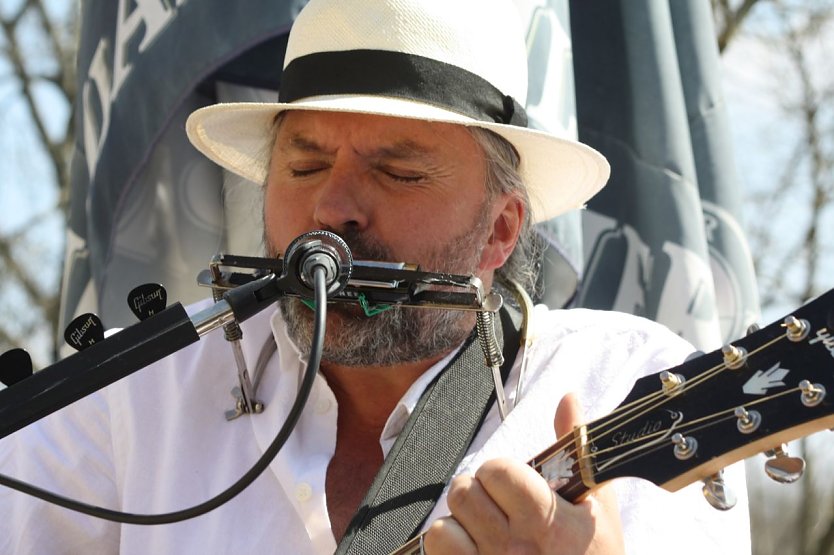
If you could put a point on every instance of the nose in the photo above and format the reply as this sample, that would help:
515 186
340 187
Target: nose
342 199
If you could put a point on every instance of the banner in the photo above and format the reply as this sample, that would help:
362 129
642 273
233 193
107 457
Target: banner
661 240
146 207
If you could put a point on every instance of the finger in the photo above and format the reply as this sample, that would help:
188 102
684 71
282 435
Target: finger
599 506
446 535
518 491
568 415
477 513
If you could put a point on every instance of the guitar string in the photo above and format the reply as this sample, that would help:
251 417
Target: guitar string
711 419
684 387
645 404
648 448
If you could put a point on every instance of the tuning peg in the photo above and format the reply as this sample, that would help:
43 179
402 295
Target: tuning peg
147 299
685 447
734 357
83 331
753 328
717 493
812 393
672 383
795 329
693 355
782 467
15 365
748 420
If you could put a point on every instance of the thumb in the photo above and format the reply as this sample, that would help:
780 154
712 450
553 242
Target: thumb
568 415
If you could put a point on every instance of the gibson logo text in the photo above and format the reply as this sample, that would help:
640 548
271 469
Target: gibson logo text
78 333
139 302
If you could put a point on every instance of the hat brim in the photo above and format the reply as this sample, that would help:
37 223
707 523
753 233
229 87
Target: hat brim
560 174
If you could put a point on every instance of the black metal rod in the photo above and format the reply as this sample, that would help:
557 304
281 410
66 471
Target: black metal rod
95 367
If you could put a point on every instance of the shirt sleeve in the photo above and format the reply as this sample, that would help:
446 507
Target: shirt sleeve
68 453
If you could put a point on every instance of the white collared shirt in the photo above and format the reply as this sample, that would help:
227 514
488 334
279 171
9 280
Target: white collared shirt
158 441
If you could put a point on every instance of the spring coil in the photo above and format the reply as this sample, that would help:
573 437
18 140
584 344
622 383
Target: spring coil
485 326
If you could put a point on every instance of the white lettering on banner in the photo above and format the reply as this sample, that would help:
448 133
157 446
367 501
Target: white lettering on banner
826 339
154 15
98 76
108 78
687 298
710 226
631 292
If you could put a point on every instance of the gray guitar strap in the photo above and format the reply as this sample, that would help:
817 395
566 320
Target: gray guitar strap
430 447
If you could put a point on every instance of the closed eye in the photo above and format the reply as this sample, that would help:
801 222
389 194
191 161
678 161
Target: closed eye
304 172
404 178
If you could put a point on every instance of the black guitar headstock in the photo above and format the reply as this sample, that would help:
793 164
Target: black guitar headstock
689 422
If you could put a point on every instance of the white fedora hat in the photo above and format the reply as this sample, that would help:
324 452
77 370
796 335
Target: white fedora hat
455 61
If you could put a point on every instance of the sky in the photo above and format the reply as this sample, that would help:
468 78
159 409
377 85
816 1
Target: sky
760 88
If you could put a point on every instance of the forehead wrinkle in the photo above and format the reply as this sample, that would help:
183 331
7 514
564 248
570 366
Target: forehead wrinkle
398 149
298 141
403 149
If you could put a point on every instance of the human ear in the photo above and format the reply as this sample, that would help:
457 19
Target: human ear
507 216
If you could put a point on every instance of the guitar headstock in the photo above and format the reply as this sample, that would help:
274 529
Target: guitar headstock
689 422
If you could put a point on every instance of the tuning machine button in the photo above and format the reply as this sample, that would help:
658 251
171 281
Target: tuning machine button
748 420
717 494
685 447
83 331
734 357
672 383
783 468
812 394
15 365
795 329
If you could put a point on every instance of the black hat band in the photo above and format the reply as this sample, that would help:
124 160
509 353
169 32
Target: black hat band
400 75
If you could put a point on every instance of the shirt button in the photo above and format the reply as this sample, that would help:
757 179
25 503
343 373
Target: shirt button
323 406
303 492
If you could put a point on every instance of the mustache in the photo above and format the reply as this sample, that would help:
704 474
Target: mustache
361 246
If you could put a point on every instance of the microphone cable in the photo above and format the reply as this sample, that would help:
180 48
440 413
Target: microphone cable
320 287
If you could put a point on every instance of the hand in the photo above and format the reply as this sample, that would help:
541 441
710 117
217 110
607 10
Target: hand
508 508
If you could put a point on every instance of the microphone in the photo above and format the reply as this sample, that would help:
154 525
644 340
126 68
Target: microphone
317 249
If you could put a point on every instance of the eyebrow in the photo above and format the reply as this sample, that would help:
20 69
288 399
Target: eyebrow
400 150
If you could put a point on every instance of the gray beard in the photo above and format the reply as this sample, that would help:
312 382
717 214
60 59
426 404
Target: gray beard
399 334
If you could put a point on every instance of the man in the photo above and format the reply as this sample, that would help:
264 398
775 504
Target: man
400 129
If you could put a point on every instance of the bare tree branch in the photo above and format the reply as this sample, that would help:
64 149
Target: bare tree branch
16 59
731 20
